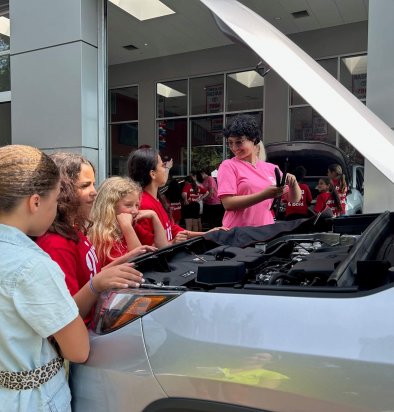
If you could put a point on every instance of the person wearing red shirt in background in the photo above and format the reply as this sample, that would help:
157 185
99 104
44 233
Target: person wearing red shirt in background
67 244
213 208
327 198
192 193
338 180
173 195
298 210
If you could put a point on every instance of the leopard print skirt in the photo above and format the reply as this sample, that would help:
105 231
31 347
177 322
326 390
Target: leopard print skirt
31 379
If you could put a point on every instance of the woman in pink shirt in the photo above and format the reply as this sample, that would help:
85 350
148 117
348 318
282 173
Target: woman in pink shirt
246 185
213 208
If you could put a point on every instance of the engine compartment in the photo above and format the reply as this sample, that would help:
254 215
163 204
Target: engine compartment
356 254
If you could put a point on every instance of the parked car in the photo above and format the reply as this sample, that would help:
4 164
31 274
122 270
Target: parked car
316 156
292 316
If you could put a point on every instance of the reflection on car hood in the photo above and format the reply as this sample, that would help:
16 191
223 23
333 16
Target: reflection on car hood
354 121
314 156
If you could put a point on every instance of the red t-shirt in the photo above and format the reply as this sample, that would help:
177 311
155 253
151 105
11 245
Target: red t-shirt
300 207
192 196
118 249
144 227
176 210
77 260
324 200
341 195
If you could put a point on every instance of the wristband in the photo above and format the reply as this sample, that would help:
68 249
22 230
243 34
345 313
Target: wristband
92 287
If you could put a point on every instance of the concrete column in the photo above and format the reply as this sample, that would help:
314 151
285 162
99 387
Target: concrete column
379 191
54 75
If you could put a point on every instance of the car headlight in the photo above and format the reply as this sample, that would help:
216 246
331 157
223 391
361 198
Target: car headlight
117 308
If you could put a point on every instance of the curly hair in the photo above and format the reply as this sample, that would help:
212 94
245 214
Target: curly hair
243 125
67 218
105 230
24 171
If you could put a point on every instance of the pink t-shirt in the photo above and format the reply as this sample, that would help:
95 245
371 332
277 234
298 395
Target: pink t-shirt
210 184
237 177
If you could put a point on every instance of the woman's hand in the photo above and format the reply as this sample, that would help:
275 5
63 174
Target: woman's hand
272 192
140 250
291 180
119 276
181 236
214 229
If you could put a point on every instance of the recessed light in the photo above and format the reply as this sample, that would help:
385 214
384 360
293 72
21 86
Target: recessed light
144 9
277 18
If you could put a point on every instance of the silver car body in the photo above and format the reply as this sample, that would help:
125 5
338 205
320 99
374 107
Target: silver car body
277 350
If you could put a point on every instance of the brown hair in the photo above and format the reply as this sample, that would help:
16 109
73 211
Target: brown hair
67 220
336 168
24 171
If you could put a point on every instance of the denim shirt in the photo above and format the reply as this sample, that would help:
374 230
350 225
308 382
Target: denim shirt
34 304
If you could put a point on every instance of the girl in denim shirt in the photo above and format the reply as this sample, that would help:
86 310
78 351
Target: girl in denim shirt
36 309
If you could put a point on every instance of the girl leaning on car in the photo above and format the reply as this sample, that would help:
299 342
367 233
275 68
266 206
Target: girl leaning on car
338 180
35 305
66 240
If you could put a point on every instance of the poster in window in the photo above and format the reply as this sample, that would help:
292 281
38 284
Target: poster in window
214 95
359 85
319 126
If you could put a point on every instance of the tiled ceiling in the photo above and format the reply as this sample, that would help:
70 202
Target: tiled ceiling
192 27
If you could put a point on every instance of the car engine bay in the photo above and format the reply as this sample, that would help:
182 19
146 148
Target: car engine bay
357 254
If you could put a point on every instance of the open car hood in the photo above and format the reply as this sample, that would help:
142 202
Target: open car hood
350 117
314 156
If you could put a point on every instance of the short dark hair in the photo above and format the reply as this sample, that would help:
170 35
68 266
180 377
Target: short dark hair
243 125
299 172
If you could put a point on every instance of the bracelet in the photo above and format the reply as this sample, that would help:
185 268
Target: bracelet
92 287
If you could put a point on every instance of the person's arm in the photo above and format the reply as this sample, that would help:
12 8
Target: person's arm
73 341
110 277
294 194
160 237
125 221
235 202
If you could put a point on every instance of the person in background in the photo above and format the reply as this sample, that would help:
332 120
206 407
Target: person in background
213 208
298 210
37 311
67 244
192 193
338 179
146 168
114 217
173 195
247 185
327 198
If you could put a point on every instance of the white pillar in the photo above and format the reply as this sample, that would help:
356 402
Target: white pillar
379 191
55 58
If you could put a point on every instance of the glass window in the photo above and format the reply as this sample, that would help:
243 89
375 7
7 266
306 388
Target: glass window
307 124
206 94
5 83
354 75
352 154
5 121
124 104
171 98
206 142
124 139
330 65
173 144
245 91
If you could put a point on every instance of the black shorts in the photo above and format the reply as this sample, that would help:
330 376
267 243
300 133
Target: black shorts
191 211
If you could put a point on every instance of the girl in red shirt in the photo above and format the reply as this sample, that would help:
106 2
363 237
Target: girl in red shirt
338 180
66 240
327 198
115 216
192 193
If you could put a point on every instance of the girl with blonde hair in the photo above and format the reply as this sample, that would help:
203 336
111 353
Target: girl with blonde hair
115 214
36 307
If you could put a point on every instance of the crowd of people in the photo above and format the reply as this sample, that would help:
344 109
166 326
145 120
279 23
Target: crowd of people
58 233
